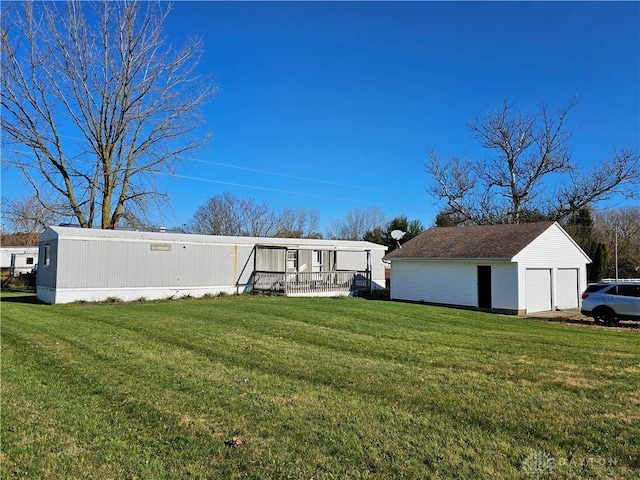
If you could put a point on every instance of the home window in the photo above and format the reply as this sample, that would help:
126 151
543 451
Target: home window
292 260
29 260
47 255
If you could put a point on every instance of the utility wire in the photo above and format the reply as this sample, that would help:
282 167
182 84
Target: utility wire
264 172
290 192
295 177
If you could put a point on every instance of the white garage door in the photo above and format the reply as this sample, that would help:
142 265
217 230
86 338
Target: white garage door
538 290
567 288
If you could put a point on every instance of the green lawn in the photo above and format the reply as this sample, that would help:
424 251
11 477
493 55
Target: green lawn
310 388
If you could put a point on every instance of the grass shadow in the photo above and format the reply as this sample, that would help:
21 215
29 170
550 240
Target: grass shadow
588 322
20 295
376 295
26 299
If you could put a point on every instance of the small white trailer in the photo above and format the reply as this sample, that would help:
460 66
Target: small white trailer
19 260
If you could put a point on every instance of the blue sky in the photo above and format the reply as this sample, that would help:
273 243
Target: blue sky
335 105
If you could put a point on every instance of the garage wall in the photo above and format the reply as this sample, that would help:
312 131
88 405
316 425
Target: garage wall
452 282
568 288
550 273
538 290
504 286
556 251
434 282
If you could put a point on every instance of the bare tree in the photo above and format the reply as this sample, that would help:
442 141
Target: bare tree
26 216
227 215
97 104
529 148
357 223
257 219
619 175
298 223
619 230
220 215
455 183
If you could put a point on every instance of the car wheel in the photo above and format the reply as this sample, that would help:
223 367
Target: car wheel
604 316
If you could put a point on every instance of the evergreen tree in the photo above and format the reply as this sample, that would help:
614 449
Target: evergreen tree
597 268
382 235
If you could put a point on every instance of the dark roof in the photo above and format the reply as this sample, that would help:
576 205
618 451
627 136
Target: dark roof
479 241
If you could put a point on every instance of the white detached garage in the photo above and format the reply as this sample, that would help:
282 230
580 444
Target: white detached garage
517 269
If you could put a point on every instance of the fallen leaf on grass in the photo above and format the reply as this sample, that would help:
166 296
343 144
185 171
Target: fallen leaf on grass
234 442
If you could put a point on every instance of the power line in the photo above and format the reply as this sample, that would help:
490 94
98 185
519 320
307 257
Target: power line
256 170
264 172
290 192
286 175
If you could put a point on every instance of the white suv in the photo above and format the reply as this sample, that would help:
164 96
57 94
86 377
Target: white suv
610 302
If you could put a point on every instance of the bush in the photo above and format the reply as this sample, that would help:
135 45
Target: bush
24 280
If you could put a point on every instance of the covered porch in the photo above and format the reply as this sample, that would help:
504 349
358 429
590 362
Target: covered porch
307 271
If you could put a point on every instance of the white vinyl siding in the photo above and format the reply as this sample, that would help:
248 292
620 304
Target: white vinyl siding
434 282
350 260
548 273
567 288
552 247
504 286
7 252
136 264
553 250
271 260
538 290
452 283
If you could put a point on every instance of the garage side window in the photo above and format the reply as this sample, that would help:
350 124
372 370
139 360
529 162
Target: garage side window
47 255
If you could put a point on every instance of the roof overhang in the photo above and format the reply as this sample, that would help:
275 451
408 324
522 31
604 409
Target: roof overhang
335 248
76 233
447 259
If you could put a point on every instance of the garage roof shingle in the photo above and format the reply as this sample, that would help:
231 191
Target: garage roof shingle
478 241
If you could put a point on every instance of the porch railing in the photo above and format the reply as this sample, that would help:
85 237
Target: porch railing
311 282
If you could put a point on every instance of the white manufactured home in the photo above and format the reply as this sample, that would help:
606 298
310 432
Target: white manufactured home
78 264
19 260
515 269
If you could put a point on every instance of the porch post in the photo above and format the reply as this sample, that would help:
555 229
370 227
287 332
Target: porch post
369 271
255 265
286 262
